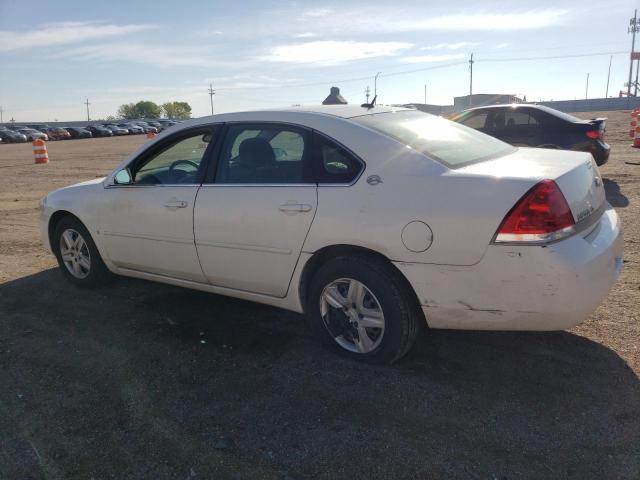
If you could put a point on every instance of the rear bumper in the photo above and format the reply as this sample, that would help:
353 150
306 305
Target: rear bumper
549 287
600 153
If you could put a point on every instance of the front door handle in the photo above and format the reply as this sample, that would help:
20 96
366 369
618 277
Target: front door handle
295 207
174 203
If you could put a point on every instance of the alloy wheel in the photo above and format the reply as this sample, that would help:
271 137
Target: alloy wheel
75 253
352 314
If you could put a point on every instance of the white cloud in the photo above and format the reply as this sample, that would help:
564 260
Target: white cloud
333 52
450 46
317 12
155 55
64 33
499 21
432 58
368 19
304 35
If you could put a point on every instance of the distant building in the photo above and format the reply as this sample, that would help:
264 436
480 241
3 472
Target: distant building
334 97
483 99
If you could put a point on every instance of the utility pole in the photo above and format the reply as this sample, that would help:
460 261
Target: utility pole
87 104
633 28
606 93
366 93
635 87
1 112
425 93
375 85
471 62
212 92
586 91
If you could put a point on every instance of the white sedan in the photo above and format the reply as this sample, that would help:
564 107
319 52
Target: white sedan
374 222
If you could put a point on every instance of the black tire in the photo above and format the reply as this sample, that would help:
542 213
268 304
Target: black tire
98 273
402 314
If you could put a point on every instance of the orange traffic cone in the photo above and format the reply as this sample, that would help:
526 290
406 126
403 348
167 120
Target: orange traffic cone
635 113
636 138
40 151
151 135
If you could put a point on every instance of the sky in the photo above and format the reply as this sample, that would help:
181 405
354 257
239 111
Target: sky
267 54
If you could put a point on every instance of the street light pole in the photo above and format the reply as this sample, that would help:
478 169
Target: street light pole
633 27
375 85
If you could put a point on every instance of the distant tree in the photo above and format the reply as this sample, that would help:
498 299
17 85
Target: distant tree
111 118
177 110
127 111
142 109
147 109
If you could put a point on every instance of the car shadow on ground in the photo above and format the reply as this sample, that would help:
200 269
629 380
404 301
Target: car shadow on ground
141 380
614 195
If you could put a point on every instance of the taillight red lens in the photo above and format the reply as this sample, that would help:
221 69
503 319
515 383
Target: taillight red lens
594 134
541 215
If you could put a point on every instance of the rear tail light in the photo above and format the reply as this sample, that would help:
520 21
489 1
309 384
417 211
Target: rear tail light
541 215
594 134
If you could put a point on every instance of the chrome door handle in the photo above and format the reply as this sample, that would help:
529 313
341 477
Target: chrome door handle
295 207
176 204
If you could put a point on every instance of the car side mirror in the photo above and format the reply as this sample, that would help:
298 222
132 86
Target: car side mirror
123 177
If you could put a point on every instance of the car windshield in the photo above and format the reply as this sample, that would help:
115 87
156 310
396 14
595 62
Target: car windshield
448 142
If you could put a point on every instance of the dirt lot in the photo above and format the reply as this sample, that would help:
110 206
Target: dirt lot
117 383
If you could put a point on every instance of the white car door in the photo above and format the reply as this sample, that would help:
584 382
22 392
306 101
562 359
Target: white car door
252 217
147 222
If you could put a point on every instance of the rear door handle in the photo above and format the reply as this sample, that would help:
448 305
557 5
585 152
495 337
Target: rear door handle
173 203
295 207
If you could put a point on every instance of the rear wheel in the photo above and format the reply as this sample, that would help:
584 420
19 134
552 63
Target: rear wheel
360 307
77 255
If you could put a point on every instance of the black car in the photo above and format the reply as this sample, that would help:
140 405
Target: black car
11 136
77 132
99 131
538 126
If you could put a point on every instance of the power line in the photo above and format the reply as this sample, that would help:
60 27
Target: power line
551 57
422 69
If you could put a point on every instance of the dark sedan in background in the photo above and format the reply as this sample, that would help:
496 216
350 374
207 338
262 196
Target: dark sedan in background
99 131
11 136
77 132
116 130
538 126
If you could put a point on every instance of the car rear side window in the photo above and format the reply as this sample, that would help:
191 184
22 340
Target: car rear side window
450 143
333 163
476 120
263 154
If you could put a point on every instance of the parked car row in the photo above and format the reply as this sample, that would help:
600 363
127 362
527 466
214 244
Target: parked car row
29 133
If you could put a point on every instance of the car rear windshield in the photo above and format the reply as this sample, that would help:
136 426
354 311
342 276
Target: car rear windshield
448 142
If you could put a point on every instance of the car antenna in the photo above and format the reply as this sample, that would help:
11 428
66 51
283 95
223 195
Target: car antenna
370 105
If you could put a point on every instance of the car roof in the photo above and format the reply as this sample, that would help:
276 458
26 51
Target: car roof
303 115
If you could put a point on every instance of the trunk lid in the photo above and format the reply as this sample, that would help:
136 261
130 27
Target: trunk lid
574 172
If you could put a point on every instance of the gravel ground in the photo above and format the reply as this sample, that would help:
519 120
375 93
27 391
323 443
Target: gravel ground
147 381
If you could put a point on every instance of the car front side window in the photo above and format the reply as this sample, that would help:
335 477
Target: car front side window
178 163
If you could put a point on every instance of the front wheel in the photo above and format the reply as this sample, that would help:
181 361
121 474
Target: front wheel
361 307
77 255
